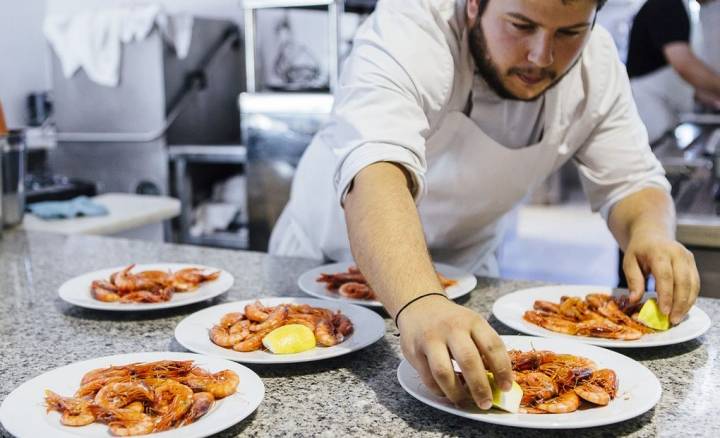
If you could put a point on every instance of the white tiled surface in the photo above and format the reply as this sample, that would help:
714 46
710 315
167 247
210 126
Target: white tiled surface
560 243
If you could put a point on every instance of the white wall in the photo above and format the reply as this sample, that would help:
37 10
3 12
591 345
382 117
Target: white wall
23 60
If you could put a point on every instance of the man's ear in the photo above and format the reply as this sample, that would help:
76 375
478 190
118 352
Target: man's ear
472 9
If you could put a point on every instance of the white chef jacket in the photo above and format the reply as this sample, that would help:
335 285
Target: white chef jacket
408 71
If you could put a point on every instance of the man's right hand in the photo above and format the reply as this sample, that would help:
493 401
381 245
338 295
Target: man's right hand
433 330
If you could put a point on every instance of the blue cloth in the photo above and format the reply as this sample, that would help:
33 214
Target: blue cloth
80 206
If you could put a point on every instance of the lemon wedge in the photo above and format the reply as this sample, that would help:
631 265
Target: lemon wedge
651 316
288 339
507 401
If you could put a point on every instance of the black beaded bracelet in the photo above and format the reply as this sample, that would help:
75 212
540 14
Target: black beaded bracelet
412 301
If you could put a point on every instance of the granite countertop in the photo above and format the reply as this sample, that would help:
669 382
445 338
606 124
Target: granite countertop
352 395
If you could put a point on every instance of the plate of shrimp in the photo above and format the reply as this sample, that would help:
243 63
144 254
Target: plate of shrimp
595 315
171 394
339 328
146 286
566 385
344 282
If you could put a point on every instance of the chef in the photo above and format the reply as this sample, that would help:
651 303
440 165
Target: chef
665 73
447 114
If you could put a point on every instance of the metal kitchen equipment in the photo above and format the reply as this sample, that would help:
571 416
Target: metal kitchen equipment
118 136
208 163
13 157
278 127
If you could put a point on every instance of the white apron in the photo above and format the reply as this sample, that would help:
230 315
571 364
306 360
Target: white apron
662 96
500 178
472 183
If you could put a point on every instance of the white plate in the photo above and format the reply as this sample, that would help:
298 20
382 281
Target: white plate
509 310
23 411
77 290
639 390
193 332
308 283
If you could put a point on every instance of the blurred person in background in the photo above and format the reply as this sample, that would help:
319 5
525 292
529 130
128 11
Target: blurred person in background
665 71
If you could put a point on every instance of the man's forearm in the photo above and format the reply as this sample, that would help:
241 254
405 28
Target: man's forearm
650 210
386 236
693 69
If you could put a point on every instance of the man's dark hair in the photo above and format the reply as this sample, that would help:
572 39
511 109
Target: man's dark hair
483 4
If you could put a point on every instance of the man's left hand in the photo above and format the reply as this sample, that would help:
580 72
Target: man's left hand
677 281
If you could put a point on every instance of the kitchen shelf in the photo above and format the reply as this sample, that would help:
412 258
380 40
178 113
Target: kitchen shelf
181 158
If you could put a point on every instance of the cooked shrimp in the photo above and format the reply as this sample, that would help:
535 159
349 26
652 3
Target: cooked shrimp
189 279
220 384
343 325
124 422
173 400
607 329
546 306
222 337
549 322
531 410
136 406
120 394
152 280
253 342
202 403
166 369
536 387
73 411
576 309
628 308
307 323
607 380
124 280
334 281
356 291
567 402
565 377
273 321
104 291
597 300
106 373
593 394
572 361
299 308
241 327
446 282
611 311
324 333
142 296
255 312
530 360
89 389
230 319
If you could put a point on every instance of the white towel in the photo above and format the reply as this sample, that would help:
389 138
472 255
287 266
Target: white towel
93 39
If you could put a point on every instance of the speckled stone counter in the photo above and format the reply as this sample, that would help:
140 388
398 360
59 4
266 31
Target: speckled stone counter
353 395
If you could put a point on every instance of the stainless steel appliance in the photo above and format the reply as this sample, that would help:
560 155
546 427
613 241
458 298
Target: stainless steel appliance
277 127
276 130
13 158
195 172
118 136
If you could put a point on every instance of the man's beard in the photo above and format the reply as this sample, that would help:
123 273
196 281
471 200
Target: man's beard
491 73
